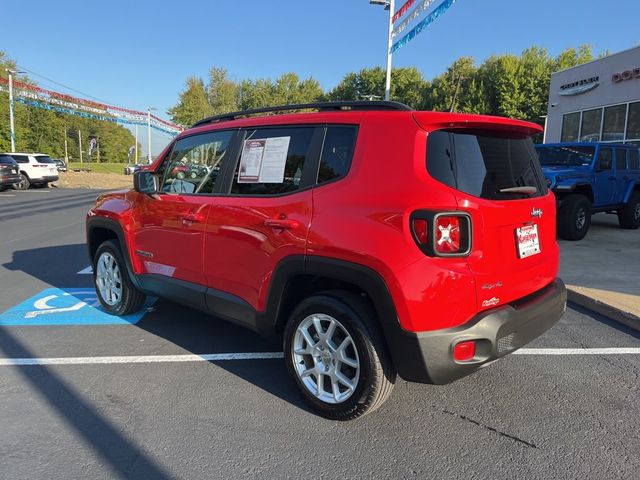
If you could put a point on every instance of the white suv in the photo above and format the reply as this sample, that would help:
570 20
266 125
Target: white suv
36 169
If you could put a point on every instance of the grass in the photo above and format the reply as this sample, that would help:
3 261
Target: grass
99 167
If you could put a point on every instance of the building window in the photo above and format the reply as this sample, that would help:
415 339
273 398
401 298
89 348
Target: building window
633 121
590 130
570 127
613 123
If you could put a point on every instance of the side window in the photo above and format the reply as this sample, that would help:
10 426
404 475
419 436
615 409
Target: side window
272 161
621 159
634 159
337 152
194 163
21 158
605 157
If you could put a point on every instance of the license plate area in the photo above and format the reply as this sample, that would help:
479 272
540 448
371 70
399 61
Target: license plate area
527 241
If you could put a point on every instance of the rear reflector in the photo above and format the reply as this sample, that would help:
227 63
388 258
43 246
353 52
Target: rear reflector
420 229
464 351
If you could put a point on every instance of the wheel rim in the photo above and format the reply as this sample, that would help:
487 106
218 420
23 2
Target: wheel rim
108 279
581 219
24 183
636 214
326 358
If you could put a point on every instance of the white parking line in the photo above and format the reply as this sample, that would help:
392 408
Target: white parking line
6 195
218 357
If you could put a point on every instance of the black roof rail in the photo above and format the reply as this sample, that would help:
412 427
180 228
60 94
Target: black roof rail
320 106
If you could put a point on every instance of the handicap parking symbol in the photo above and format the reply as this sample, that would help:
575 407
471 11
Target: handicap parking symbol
66 306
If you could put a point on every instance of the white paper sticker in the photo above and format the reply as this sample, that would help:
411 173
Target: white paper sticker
263 161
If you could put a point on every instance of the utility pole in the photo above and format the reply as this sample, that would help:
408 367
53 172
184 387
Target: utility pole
11 125
80 144
149 133
455 94
98 147
136 150
388 5
66 151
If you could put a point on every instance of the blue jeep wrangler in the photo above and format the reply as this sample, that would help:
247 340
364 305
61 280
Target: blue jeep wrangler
589 178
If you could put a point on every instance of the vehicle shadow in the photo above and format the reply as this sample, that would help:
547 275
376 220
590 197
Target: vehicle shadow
124 457
191 330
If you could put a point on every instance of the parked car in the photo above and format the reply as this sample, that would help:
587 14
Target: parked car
9 172
60 164
589 178
36 169
374 240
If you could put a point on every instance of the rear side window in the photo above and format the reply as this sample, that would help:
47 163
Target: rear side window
634 159
621 159
21 158
272 161
337 152
605 159
485 164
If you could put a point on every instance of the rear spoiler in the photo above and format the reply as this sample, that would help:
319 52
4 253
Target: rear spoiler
444 121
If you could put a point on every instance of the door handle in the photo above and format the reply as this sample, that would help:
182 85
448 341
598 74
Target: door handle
192 217
281 223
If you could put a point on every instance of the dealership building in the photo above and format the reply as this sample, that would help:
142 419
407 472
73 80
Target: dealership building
597 101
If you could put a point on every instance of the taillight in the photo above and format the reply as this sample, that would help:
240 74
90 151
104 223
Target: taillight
40 165
442 234
420 230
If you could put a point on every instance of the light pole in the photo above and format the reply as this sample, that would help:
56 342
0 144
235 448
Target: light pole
149 132
13 132
388 5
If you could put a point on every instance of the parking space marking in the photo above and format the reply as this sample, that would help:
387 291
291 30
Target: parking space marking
210 357
66 306
219 357
6 195
86 271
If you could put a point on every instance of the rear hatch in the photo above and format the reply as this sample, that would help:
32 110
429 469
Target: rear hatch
497 180
8 166
47 165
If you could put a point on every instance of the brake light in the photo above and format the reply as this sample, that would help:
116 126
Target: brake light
40 165
420 229
448 234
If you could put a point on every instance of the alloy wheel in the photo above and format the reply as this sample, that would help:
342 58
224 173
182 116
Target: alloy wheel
109 279
325 358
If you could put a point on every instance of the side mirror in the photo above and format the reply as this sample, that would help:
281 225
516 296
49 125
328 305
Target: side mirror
145 182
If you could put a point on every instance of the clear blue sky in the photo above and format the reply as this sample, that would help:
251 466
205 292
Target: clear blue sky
137 53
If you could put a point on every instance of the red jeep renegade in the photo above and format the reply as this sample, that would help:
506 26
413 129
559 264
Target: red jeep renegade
376 240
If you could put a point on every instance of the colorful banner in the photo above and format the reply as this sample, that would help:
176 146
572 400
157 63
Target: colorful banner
402 11
46 106
429 19
415 13
36 93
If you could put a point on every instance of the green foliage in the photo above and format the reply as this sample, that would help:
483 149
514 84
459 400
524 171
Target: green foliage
43 131
193 103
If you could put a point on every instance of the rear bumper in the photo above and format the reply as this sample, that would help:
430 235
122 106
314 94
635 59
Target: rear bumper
9 179
47 178
427 357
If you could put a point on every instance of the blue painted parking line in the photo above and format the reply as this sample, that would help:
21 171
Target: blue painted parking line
66 306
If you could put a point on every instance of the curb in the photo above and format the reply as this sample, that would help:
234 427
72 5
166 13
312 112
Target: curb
609 311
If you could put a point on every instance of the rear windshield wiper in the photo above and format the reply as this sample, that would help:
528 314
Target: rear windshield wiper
526 190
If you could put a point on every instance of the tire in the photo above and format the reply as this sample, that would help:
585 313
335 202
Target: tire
130 299
574 217
629 215
24 184
369 369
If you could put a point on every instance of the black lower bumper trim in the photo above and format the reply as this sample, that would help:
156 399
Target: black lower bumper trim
427 357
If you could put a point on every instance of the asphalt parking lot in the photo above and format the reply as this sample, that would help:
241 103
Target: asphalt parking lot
178 394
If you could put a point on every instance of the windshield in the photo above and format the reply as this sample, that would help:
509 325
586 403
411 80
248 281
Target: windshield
567 156
44 159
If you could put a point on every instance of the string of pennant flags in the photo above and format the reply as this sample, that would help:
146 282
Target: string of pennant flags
38 97
413 15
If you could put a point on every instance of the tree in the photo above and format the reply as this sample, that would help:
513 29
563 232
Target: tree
193 103
222 93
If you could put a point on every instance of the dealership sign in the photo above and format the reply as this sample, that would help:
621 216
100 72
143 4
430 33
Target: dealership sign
626 75
580 86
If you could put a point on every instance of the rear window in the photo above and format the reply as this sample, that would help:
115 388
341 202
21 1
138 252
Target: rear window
566 156
7 160
485 164
44 159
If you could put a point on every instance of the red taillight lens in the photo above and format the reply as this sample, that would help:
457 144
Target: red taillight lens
448 235
420 229
464 351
